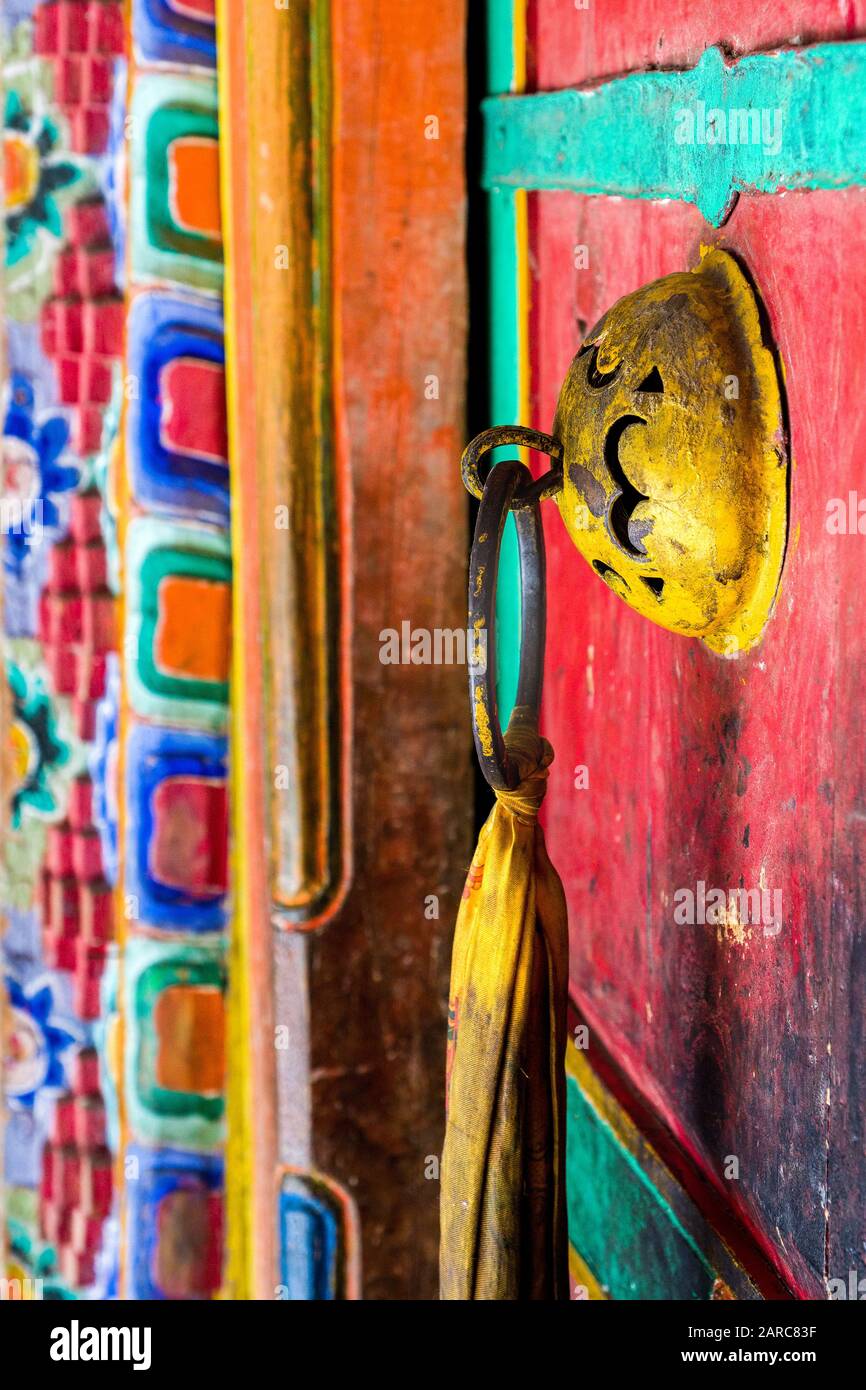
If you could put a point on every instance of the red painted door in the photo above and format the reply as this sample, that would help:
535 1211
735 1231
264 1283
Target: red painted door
749 772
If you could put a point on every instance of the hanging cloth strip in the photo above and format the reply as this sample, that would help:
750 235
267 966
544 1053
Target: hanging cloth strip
503 1216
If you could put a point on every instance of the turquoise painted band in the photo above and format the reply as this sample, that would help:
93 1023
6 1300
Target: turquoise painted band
794 119
504 354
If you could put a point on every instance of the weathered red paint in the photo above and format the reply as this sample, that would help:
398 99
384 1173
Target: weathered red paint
567 46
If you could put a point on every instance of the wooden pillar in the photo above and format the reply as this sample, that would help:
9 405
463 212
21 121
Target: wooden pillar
343 142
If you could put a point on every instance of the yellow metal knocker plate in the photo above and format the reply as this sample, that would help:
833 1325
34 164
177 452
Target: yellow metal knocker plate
670 461
674 455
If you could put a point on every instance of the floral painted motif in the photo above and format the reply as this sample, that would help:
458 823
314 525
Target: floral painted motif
35 171
33 1043
33 474
37 748
62 324
41 178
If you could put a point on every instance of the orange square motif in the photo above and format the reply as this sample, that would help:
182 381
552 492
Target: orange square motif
194 185
193 629
189 1022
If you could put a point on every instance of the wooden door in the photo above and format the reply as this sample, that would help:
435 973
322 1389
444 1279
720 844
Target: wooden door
716 1117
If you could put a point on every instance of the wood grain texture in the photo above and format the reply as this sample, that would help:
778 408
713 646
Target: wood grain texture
254 151
289 526
746 772
379 971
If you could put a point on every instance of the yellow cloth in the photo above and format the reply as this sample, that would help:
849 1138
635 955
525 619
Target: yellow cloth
503 1222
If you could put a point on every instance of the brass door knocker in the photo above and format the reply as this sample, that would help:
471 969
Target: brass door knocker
670 470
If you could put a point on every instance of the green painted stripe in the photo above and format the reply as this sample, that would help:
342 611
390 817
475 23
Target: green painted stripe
500 45
504 354
618 1222
792 119
505 409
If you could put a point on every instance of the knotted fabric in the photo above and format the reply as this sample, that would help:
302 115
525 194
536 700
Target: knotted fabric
503 1222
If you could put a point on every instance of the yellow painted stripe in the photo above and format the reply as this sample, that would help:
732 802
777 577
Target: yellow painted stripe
239 1157
603 1103
582 1278
518 33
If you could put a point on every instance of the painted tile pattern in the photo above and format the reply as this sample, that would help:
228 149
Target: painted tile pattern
115 477
173 845
63 328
